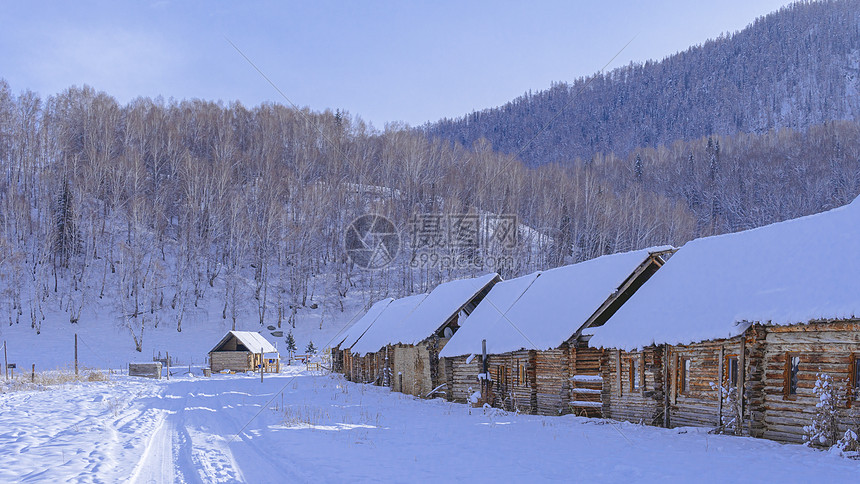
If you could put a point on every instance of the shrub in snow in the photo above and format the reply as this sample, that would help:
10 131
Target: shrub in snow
824 430
474 396
848 445
732 420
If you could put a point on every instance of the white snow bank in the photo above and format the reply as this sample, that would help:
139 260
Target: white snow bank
786 273
552 308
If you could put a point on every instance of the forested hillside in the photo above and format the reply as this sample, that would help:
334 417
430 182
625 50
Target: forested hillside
143 212
794 68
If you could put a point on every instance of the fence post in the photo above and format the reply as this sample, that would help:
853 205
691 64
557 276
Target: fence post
76 355
5 362
261 365
33 374
167 359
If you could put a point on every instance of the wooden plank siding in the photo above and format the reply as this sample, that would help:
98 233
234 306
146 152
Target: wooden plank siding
552 381
822 347
230 360
464 377
586 382
645 404
513 379
700 404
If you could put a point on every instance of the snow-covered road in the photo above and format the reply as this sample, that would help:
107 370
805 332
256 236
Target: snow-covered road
190 429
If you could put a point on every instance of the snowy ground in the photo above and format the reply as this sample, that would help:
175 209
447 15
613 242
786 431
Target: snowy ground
321 428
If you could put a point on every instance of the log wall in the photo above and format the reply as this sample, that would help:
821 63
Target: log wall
464 377
825 347
586 382
511 390
645 404
413 362
230 360
700 405
552 381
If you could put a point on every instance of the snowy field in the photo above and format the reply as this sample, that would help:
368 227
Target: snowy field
300 427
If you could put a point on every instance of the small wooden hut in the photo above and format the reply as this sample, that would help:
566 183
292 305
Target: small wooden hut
352 367
402 347
734 331
538 359
244 351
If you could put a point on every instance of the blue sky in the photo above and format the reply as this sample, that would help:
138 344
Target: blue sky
382 60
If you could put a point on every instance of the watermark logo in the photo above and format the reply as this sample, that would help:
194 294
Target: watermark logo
372 241
463 240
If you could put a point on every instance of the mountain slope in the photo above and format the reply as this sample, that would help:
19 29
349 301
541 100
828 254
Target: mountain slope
794 68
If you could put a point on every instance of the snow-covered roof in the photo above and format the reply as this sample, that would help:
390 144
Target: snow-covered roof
543 310
388 325
475 328
354 332
786 273
255 342
423 319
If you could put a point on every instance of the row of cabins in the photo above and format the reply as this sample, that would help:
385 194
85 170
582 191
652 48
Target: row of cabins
728 332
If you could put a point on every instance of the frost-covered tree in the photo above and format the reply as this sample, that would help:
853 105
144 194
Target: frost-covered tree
291 344
311 349
824 429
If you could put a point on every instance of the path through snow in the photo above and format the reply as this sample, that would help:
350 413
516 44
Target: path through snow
323 428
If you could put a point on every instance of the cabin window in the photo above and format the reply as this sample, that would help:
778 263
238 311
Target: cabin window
854 377
502 375
684 376
792 370
731 371
633 375
522 374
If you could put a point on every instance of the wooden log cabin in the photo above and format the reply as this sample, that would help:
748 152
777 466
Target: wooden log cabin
758 314
351 367
538 359
375 358
402 347
240 351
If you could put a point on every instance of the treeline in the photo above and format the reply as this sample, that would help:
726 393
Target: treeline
795 68
148 209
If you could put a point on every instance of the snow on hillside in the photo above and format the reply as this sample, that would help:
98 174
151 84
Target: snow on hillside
104 342
299 427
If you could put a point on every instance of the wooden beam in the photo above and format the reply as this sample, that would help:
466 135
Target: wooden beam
720 379
742 377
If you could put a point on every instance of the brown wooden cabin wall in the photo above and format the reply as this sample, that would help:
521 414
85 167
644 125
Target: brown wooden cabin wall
446 369
413 363
552 381
699 405
464 377
822 347
359 368
643 405
230 360
586 382
336 360
350 369
512 391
